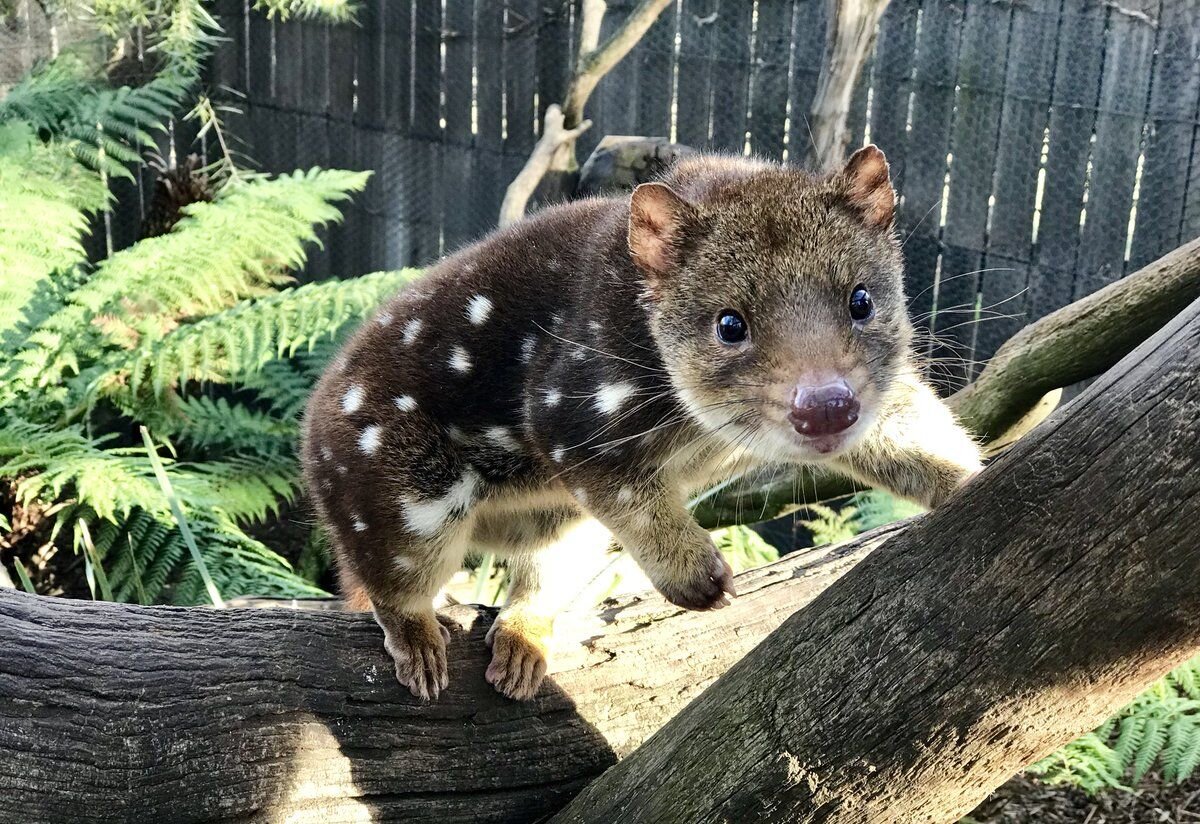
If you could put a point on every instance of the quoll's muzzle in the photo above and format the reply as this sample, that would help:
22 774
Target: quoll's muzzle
819 411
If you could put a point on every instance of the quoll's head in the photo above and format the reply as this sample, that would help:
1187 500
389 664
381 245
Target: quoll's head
776 298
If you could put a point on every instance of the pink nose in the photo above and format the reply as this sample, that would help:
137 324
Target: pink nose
823 410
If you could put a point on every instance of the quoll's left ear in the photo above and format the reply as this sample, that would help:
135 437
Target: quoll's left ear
869 187
659 220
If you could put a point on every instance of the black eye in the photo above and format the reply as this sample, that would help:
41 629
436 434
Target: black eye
861 305
731 327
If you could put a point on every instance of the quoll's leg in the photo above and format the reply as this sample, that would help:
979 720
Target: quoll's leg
403 607
520 636
542 581
916 449
673 550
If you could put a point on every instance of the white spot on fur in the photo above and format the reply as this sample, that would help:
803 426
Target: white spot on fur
551 397
359 524
405 403
340 363
326 453
370 439
456 434
478 309
594 325
527 347
579 354
556 319
558 453
384 318
426 517
610 396
503 438
403 564
341 469
460 361
411 330
353 399
580 495
625 495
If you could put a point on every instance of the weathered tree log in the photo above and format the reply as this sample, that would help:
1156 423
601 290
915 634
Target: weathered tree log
122 713
1079 341
1039 600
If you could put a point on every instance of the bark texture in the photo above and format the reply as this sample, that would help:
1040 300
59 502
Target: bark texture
1036 602
120 713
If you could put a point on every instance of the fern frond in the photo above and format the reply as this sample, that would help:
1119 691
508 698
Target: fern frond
337 11
239 341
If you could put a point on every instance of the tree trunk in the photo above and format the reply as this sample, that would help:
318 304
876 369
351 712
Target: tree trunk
112 712
1038 601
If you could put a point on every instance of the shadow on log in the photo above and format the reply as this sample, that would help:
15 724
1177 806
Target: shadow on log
1031 606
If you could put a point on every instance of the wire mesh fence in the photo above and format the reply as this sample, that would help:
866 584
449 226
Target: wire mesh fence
1041 148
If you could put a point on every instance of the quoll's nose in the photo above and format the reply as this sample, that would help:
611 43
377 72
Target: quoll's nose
823 410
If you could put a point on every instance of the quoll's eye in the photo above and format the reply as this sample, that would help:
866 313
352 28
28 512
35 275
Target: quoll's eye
861 305
731 327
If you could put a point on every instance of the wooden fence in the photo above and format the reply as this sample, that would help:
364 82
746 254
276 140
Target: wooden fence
1042 148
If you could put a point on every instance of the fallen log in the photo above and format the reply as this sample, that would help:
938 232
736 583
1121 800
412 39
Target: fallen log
1039 600
111 712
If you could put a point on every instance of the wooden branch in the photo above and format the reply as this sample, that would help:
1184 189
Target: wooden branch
1038 601
849 40
112 712
555 150
554 137
1077 342
593 65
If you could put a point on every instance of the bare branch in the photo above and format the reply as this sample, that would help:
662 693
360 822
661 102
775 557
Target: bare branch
553 138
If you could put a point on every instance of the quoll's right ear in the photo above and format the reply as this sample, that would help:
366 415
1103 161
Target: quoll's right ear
869 187
658 223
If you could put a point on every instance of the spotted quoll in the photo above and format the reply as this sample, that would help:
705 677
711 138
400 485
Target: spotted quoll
604 359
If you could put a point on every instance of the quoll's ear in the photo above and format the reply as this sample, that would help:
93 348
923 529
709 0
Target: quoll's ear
658 223
869 187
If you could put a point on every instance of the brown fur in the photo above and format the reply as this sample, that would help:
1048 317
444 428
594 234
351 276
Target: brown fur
568 368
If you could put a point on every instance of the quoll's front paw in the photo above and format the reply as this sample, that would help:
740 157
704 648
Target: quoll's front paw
702 585
518 655
417 643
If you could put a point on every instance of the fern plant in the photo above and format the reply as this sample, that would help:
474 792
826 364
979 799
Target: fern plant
1159 730
197 335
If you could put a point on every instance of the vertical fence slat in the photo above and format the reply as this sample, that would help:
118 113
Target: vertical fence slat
397 63
1128 62
341 80
927 146
314 73
697 32
458 144
978 105
369 72
613 108
808 52
731 74
521 45
489 141
891 78
1023 120
426 129
1173 121
655 56
1072 114
769 82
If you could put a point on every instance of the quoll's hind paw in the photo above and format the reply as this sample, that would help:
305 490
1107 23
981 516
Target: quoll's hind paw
707 585
418 647
518 659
